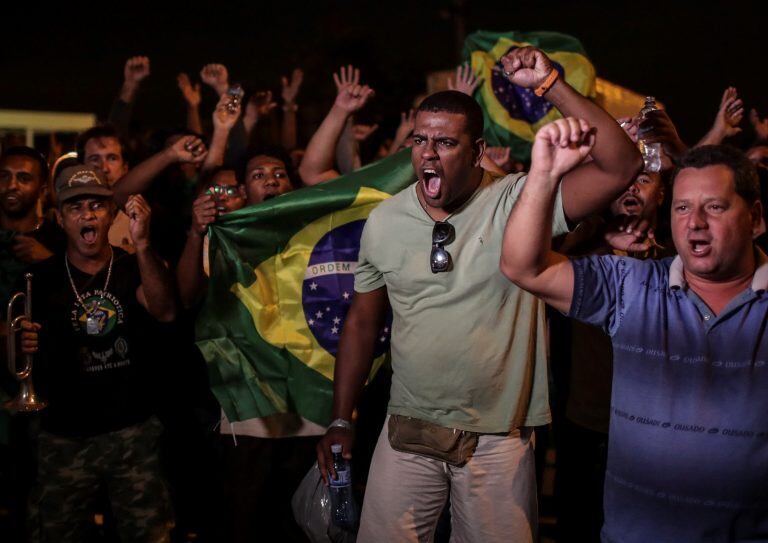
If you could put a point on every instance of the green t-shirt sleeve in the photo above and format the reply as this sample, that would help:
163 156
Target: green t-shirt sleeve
367 276
514 186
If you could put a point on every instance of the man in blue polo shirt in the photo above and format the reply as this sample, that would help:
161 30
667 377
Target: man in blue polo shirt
688 454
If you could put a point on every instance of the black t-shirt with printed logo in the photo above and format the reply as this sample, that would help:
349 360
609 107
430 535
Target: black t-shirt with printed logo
100 381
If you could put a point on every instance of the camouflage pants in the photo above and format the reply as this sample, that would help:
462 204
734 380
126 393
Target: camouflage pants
70 471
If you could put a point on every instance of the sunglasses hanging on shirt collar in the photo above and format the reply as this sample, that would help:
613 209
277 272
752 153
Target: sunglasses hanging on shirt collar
443 234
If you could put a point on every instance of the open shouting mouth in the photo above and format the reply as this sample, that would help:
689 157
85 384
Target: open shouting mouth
89 234
431 183
700 247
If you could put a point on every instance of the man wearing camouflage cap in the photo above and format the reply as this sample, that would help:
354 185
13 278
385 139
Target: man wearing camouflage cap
95 309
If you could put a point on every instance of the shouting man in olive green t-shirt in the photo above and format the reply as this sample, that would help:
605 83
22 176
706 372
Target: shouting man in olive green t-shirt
468 347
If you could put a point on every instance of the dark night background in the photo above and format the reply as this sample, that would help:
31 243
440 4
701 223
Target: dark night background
71 59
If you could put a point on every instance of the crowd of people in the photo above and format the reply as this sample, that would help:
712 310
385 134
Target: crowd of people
621 307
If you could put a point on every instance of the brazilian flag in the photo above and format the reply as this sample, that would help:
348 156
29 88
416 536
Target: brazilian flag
514 114
280 287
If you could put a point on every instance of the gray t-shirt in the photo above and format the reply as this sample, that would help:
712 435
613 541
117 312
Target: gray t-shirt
469 348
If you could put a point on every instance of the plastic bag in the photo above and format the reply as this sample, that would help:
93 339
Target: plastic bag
311 505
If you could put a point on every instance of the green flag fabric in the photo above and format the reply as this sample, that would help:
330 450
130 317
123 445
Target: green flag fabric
280 287
514 114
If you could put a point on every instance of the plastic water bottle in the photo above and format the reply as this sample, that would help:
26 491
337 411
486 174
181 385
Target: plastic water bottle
344 513
235 93
651 151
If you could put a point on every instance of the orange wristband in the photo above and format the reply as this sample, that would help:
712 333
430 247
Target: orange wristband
547 84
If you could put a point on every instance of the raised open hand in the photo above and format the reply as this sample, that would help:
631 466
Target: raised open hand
291 86
348 75
351 95
730 114
190 92
262 103
465 81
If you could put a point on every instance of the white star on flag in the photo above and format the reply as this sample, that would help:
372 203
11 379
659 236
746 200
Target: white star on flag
311 322
346 295
334 330
313 286
319 314
336 320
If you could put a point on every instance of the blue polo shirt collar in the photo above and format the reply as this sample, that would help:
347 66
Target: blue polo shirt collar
759 280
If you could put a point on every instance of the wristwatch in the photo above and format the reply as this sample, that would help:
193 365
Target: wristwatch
340 423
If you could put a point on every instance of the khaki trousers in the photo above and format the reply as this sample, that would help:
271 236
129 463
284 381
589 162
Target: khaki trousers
493 496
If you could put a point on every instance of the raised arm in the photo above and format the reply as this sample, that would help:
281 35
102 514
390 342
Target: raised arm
404 131
190 274
727 120
348 147
225 116
290 90
317 164
156 293
591 186
529 261
353 364
259 106
138 179
192 97
348 150
135 71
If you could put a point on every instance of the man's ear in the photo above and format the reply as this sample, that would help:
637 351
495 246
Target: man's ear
59 218
241 191
479 151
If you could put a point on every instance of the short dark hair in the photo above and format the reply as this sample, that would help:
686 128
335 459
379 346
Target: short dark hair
744 172
210 174
451 101
99 132
33 154
273 151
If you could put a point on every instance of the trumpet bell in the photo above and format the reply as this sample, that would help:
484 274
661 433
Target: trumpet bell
26 401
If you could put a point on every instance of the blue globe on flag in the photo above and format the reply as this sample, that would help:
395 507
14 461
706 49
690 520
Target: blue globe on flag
329 285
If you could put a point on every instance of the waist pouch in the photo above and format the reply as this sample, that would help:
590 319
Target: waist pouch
416 436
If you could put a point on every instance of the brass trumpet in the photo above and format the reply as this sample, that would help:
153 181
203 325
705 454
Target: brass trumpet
26 400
